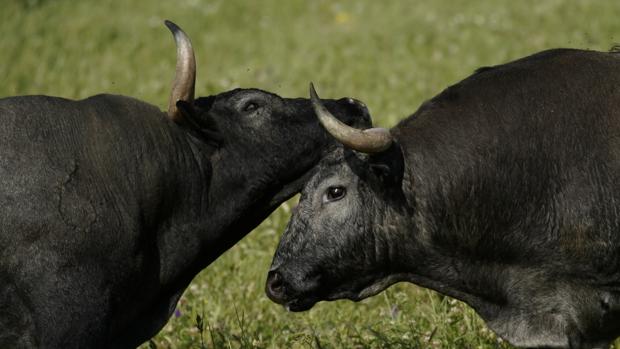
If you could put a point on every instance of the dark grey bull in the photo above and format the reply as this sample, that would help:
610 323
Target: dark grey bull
109 207
503 191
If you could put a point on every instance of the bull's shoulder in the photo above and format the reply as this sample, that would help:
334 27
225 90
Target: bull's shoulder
85 165
105 134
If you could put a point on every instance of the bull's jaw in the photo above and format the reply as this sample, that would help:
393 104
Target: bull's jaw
298 304
288 190
378 286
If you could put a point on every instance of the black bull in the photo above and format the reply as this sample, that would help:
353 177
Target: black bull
109 207
503 191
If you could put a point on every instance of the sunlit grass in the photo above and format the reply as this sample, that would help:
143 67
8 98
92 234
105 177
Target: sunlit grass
392 55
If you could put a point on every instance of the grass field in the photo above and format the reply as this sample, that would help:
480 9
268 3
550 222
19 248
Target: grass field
392 55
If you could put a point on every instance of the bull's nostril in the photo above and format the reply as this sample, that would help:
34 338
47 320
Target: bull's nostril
275 285
276 282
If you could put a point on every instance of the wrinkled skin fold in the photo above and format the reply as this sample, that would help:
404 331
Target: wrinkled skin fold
503 191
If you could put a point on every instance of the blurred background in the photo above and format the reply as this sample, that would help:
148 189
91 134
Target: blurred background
391 55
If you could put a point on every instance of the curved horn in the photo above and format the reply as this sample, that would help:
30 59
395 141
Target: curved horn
185 76
372 140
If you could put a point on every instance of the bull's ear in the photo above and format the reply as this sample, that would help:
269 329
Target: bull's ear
358 108
388 166
186 108
197 127
381 170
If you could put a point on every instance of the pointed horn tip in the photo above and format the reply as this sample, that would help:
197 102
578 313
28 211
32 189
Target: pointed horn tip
177 32
313 94
171 25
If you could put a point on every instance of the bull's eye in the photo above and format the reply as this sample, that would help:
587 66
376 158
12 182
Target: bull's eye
334 194
250 107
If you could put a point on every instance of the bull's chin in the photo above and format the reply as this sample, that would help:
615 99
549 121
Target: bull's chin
301 304
367 291
373 290
288 190
298 304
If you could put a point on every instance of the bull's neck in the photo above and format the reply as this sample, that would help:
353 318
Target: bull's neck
243 191
178 206
433 257
223 195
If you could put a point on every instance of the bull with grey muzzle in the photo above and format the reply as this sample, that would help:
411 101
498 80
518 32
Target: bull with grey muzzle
503 191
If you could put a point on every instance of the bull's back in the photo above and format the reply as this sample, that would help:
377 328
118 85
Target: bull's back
68 170
530 153
35 164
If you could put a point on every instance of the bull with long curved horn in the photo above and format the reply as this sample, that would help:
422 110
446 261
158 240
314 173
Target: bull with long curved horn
110 208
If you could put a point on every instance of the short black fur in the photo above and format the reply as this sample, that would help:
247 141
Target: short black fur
509 201
109 209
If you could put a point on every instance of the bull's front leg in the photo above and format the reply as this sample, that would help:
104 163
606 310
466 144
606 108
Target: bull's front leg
17 328
65 306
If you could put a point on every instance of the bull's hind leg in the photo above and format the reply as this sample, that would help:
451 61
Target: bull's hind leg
17 329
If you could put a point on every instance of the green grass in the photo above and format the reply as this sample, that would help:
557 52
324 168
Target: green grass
392 55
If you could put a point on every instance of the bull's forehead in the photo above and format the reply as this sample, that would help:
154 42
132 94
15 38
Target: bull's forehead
341 166
234 97
244 93
335 175
342 156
